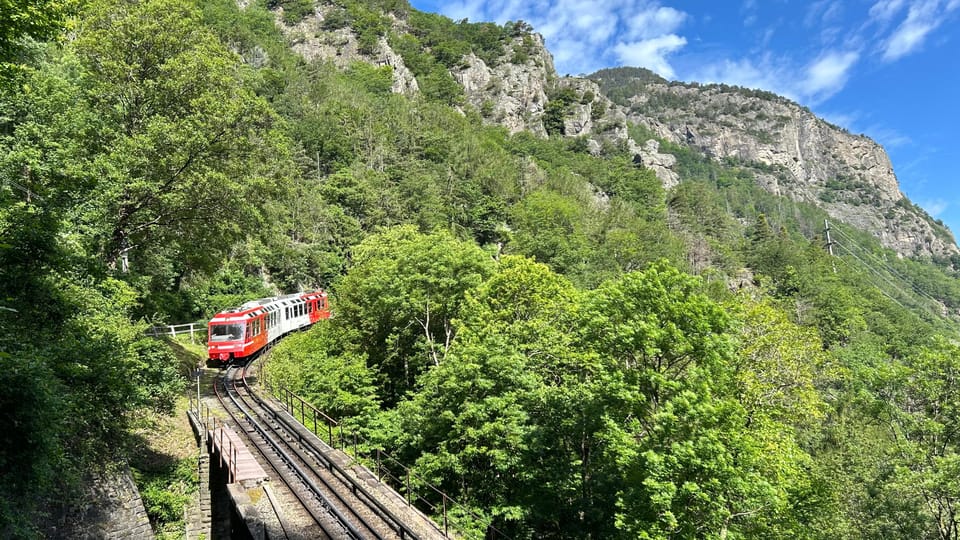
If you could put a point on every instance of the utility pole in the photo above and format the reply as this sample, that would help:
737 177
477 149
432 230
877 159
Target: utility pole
826 228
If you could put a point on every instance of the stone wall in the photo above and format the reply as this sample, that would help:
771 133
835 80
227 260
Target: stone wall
110 507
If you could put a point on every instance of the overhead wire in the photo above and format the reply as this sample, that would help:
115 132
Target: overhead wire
886 266
845 245
881 276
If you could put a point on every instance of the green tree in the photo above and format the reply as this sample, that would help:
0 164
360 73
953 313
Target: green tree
674 429
497 423
325 367
401 294
37 19
920 406
182 147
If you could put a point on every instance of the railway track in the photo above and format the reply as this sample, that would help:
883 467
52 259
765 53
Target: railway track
337 503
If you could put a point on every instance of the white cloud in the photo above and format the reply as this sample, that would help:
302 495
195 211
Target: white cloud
884 10
767 73
654 22
887 137
828 74
934 207
473 10
923 17
823 12
809 84
651 53
911 32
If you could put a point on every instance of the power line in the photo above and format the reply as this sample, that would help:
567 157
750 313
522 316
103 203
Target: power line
886 266
846 246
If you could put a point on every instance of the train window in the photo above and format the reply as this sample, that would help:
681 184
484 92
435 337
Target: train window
249 330
225 332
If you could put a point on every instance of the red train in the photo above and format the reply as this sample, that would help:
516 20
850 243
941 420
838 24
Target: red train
242 333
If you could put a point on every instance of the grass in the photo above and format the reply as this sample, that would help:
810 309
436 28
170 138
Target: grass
164 451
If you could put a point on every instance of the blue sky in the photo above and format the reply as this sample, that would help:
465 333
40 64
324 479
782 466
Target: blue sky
889 69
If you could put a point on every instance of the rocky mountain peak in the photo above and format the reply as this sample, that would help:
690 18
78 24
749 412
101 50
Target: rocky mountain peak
793 153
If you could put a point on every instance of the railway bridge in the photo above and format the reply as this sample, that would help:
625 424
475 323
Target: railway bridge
270 476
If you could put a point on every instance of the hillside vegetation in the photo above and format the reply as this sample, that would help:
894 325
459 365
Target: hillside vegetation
535 325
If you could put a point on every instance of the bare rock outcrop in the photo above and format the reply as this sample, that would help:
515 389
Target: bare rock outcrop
311 39
512 93
792 152
662 165
796 155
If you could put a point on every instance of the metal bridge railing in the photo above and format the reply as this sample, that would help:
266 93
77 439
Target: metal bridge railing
387 468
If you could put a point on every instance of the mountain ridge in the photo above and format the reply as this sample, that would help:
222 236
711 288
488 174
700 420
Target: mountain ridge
792 152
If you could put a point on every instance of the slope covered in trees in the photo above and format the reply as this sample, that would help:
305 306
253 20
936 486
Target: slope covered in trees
545 333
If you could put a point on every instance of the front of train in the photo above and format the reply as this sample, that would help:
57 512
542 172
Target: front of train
225 340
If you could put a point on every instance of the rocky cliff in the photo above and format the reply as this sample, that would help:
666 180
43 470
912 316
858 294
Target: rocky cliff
794 153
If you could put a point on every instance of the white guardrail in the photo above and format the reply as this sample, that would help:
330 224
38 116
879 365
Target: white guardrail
173 330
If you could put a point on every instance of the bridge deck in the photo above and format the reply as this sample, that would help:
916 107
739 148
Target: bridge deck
239 461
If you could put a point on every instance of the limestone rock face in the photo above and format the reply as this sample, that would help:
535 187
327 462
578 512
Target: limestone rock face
312 41
510 94
792 152
797 155
650 157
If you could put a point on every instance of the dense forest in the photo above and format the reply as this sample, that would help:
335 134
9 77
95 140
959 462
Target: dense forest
545 333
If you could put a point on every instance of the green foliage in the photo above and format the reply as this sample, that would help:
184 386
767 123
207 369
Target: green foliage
401 293
294 11
22 19
323 366
560 100
440 86
449 41
33 408
371 79
591 392
917 399
336 19
166 490
176 136
549 229
369 25
621 84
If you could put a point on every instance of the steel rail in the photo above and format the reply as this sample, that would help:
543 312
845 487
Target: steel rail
310 452
315 491
373 503
276 511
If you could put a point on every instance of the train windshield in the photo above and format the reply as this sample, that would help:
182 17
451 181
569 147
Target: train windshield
226 332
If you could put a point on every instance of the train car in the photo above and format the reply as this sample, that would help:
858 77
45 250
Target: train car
242 333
